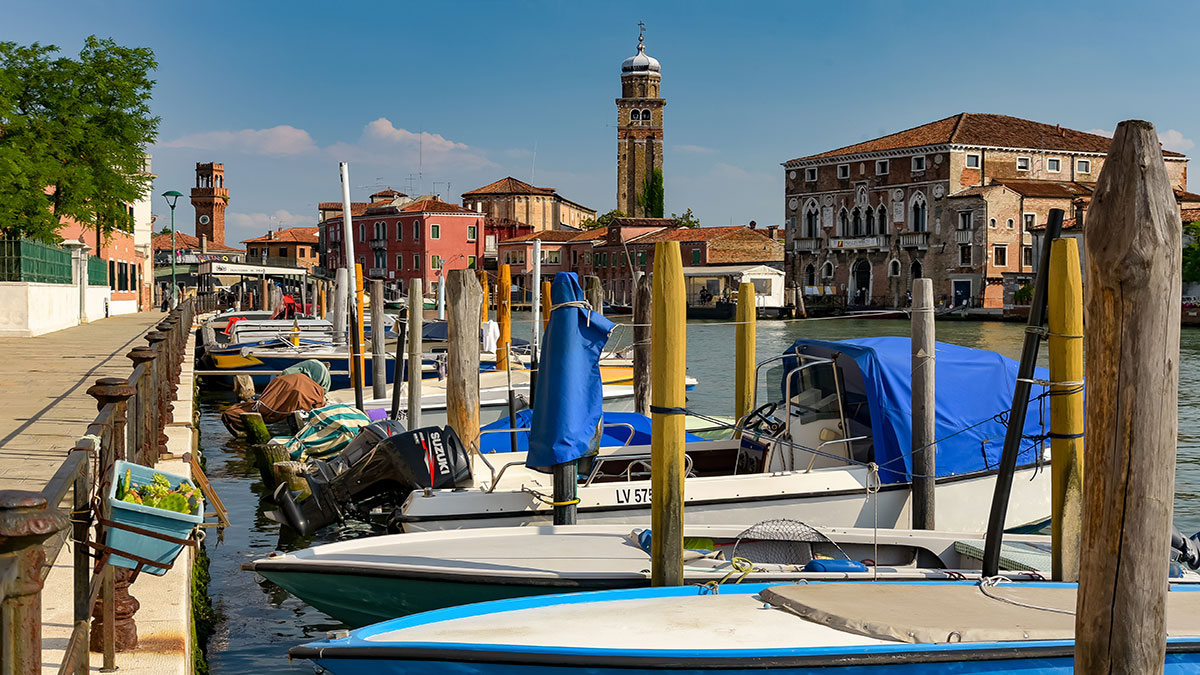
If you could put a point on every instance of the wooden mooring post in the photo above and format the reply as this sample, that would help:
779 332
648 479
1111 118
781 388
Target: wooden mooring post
1132 360
594 293
503 315
924 351
643 316
668 392
462 364
378 355
1065 325
483 305
744 350
416 303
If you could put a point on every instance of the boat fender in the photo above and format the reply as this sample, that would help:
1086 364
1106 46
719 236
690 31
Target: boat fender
826 565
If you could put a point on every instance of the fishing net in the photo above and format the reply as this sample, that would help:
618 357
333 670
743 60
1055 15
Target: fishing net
785 542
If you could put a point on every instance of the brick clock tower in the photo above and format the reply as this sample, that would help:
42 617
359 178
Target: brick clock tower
209 198
639 128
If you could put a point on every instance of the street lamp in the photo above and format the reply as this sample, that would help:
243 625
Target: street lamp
172 196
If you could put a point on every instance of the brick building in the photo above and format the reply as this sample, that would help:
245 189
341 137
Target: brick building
209 199
291 247
540 208
953 200
639 128
418 240
562 251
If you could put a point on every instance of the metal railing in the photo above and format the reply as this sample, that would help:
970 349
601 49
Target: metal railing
25 260
131 425
97 271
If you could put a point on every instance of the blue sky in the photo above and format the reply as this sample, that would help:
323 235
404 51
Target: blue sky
463 92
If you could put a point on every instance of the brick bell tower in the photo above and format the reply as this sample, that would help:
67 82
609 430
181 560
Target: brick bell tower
639 127
209 198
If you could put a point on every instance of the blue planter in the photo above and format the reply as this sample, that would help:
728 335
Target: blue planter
169 523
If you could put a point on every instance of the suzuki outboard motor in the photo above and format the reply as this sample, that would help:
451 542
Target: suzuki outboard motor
367 476
1185 550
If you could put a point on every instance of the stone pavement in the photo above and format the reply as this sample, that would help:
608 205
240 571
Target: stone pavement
44 406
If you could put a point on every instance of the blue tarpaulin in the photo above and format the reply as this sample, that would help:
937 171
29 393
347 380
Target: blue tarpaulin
568 402
613 433
973 393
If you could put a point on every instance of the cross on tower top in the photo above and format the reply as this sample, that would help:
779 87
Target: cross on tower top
641 33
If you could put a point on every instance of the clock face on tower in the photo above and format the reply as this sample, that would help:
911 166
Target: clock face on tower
203 220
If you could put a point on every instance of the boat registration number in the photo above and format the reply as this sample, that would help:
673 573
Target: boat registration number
633 495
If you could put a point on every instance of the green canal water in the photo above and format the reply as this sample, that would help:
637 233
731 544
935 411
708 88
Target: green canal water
259 621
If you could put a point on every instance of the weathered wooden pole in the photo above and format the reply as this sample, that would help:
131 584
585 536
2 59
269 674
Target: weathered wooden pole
668 393
264 292
483 305
643 315
546 305
1132 358
595 293
924 449
801 309
1065 325
415 304
744 347
378 328
462 362
503 315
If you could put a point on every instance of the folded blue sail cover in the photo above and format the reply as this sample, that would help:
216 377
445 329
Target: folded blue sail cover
567 405
613 433
973 393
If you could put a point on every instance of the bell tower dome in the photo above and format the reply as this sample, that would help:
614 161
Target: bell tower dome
639 127
209 198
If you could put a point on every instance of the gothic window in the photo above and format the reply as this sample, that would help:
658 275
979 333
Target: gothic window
827 270
635 115
920 213
894 268
646 117
882 218
857 220
810 276
914 272
843 223
812 220
870 222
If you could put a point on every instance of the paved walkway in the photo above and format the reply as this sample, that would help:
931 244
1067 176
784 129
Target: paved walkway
44 406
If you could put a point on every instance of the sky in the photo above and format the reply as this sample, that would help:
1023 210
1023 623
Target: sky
445 97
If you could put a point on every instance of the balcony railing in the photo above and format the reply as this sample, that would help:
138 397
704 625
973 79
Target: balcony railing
377 272
807 244
964 236
918 240
377 244
878 241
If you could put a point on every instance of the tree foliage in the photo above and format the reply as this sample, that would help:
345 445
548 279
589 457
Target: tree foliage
73 135
653 194
685 219
1191 252
602 221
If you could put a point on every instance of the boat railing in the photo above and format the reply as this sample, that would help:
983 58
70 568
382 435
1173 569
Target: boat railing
497 475
819 449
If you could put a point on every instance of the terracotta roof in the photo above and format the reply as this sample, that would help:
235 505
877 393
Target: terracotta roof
1047 188
975 191
435 206
1185 196
559 236
642 222
388 193
1190 215
983 129
162 242
356 208
303 235
691 234
509 185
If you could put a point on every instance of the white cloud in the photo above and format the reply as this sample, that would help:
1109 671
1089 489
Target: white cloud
1174 140
1101 132
282 140
256 224
386 145
692 149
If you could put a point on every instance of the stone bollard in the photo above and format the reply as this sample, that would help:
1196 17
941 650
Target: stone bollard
147 413
25 522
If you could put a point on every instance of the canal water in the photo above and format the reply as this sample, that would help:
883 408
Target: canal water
258 621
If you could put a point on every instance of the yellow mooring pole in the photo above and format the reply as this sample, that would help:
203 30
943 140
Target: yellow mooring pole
668 369
747 331
360 364
546 305
483 307
1065 324
503 315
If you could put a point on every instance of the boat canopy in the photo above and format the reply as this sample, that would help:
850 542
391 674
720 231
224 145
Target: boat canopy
973 394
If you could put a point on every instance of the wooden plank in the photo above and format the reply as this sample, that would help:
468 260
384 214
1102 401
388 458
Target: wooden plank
643 316
744 350
668 390
924 343
462 358
1132 352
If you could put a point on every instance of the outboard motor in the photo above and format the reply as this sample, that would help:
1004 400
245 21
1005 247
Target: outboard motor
1185 550
368 475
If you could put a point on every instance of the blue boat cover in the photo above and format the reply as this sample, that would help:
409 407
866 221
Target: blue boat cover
612 435
567 405
973 393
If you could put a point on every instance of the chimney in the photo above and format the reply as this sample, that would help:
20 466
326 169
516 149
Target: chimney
203 244
753 225
1060 130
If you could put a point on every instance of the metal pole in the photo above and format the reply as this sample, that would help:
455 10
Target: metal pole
415 303
174 254
536 301
441 296
349 290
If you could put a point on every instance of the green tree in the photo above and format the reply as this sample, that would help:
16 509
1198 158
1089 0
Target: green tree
73 135
602 221
1191 252
653 193
686 219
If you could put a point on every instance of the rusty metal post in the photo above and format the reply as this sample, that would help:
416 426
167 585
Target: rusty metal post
81 520
158 341
25 522
145 450
113 628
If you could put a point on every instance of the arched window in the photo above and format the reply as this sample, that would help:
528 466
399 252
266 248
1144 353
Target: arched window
857 220
992 223
914 272
870 222
810 275
812 220
843 223
920 213
827 270
882 219
635 115
646 116
1009 225
894 268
